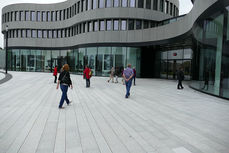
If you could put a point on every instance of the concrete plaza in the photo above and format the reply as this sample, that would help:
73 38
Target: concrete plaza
157 118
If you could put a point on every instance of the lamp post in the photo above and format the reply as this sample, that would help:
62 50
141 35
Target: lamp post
6 48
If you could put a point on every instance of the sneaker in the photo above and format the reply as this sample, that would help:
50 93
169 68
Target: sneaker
61 107
126 96
69 102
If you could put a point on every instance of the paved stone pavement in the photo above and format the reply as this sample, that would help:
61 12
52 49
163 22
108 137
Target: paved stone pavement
157 118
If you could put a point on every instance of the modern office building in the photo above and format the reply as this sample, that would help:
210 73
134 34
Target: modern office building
149 34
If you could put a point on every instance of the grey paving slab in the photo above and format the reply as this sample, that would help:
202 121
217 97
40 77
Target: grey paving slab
156 118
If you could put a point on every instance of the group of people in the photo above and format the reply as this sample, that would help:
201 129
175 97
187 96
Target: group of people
114 74
128 74
64 81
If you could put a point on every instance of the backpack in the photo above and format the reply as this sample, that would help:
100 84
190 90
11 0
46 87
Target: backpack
90 73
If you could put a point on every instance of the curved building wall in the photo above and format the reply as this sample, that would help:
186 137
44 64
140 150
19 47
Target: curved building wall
82 22
112 33
211 46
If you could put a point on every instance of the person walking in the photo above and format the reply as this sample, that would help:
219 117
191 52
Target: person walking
64 81
87 75
180 78
55 73
128 75
134 77
112 75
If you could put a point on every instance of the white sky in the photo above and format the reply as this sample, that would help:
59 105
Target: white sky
185 7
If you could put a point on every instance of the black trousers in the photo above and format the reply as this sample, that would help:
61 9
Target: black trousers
55 78
87 82
180 84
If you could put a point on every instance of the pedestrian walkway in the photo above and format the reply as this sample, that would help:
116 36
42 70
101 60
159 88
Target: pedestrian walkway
4 77
157 118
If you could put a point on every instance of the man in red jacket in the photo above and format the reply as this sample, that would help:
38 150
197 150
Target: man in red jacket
55 73
87 75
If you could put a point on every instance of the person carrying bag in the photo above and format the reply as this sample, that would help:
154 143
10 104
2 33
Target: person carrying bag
64 81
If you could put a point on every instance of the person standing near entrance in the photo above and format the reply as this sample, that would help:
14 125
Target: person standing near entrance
180 78
87 75
112 75
65 81
128 75
55 73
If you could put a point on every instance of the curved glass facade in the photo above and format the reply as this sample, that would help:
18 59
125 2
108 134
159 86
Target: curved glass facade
211 54
99 59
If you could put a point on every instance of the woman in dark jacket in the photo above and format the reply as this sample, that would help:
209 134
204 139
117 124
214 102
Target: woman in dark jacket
65 81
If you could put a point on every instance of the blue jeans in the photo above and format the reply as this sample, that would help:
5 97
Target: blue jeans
87 82
64 90
128 85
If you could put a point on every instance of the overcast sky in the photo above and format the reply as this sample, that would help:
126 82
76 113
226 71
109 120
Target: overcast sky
185 7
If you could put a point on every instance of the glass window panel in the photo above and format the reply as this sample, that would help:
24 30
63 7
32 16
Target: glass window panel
132 3
146 24
81 60
90 26
116 3
171 9
116 24
131 25
15 33
23 33
140 3
82 5
28 33
58 15
148 4
91 58
155 3
78 7
124 3
49 16
39 33
45 34
133 58
43 16
64 14
26 15
34 33
54 34
38 16
94 4
89 4
188 53
53 16
48 67
96 27
162 5
119 59
49 33
11 16
16 16
33 16
123 26
108 3
22 17
102 25
167 7
101 3
108 24
138 24
104 61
